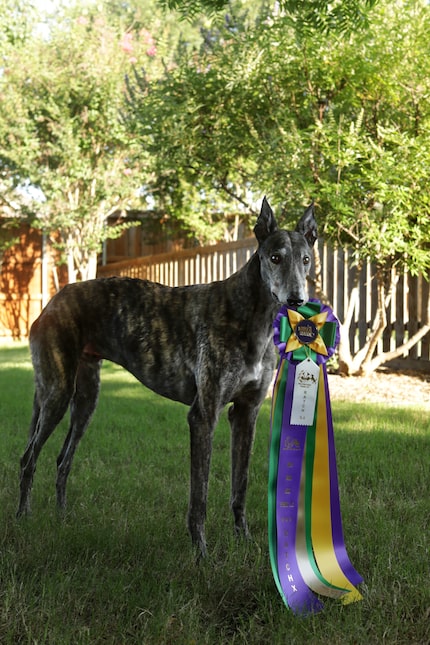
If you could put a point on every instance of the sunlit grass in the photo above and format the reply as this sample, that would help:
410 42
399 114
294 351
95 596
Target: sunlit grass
120 569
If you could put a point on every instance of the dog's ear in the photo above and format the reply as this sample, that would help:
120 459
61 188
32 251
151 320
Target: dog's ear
266 222
307 225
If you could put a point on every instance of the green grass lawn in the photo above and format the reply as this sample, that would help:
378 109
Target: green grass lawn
119 568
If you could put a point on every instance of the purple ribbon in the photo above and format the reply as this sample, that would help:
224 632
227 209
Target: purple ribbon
293 438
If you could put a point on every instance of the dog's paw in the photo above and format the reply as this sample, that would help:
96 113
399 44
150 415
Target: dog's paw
198 539
241 529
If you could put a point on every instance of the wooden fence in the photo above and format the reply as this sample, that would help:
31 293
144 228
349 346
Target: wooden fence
407 312
188 266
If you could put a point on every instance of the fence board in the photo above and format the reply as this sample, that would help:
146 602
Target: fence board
425 343
406 314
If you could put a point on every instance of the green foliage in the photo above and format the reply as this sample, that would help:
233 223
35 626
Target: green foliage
120 568
60 130
265 108
388 219
280 99
325 16
191 8
62 89
18 19
61 98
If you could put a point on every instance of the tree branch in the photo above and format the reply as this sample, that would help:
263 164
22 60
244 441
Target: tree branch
405 347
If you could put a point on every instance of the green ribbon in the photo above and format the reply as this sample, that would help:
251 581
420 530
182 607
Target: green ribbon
327 331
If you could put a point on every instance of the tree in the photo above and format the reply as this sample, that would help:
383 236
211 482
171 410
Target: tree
193 121
62 139
379 154
271 108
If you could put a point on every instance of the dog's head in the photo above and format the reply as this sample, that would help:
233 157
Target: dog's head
285 256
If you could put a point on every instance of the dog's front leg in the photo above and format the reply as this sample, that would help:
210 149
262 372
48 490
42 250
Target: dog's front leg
201 435
242 416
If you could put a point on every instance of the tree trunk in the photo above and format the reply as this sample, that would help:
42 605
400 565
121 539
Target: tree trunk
71 271
380 359
379 324
88 266
344 350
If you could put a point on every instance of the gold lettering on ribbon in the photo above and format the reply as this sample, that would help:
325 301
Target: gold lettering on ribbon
291 444
307 330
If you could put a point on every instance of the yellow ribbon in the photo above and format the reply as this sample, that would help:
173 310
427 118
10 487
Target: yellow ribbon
322 539
311 576
294 343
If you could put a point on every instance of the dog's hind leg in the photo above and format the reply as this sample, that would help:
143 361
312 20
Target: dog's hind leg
48 410
82 406
242 416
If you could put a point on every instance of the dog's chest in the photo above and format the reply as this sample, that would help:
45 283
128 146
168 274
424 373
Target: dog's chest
259 361
254 373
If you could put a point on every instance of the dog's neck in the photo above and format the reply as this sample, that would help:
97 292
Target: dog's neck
254 302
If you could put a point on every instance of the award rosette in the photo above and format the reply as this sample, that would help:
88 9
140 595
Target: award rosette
307 550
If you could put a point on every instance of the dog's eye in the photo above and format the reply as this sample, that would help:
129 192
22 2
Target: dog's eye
306 259
275 258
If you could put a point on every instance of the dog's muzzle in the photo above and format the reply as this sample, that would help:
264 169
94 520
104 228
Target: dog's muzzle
294 302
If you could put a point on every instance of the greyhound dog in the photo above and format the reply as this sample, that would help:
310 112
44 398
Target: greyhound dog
203 345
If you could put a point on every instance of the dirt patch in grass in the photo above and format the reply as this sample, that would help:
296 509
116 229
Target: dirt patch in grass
383 386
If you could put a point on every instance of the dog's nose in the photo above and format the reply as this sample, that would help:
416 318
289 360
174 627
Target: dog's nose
294 302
